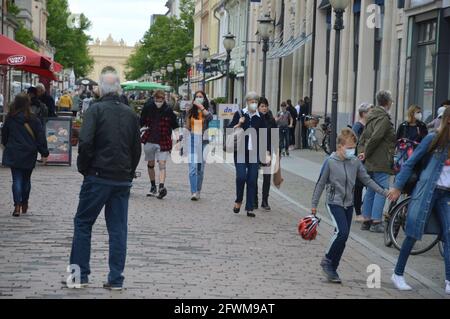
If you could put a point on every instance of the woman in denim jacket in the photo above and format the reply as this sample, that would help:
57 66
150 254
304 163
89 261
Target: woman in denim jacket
432 193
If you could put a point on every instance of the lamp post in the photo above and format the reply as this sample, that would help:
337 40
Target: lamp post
178 65
339 9
163 73
229 43
204 56
265 31
189 60
170 69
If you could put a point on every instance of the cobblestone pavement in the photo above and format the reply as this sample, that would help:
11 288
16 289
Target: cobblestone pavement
178 248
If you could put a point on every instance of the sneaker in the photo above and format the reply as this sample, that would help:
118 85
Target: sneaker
283 154
329 271
162 193
265 206
366 225
194 197
400 283
152 192
75 286
108 286
198 195
359 219
377 228
287 153
447 287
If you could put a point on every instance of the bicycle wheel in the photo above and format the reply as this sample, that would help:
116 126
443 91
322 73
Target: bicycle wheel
326 144
397 234
387 220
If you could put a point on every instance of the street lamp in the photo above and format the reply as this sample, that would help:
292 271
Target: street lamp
339 9
204 56
266 29
163 72
178 65
170 69
189 60
229 43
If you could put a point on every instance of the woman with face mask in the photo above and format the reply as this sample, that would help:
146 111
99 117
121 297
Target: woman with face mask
197 122
431 194
247 154
413 129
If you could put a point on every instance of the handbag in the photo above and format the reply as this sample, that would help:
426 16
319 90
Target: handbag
233 139
433 225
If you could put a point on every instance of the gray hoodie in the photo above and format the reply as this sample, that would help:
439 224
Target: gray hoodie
340 176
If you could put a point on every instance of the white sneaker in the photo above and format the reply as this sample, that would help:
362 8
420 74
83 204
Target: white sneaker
400 283
194 197
198 195
447 287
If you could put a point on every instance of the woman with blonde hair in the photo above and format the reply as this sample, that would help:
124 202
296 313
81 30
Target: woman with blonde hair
431 194
413 129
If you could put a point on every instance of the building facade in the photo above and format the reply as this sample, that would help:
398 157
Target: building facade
109 55
401 46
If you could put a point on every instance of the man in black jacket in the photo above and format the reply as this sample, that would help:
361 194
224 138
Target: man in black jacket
46 99
109 153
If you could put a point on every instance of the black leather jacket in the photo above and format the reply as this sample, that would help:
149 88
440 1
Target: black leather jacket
110 144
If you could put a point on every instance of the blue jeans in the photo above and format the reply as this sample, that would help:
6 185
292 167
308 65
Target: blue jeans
373 204
196 163
342 219
21 186
440 205
284 139
246 174
95 194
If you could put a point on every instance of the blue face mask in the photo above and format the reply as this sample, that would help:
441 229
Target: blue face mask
350 153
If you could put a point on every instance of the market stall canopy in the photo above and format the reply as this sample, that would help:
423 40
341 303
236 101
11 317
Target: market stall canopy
145 86
20 57
86 82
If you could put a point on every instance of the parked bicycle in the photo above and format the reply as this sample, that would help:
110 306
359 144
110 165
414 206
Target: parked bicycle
395 230
312 122
326 128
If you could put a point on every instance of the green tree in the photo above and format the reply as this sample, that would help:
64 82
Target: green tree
23 35
70 41
167 40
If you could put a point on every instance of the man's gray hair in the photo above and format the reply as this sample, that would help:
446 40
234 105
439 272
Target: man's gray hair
364 108
109 84
251 96
384 98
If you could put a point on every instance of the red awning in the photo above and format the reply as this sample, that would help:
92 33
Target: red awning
20 57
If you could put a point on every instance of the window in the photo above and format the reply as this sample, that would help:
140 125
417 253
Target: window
426 67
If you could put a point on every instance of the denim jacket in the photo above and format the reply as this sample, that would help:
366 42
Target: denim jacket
419 206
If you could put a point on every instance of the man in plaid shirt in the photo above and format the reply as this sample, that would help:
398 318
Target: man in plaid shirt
157 121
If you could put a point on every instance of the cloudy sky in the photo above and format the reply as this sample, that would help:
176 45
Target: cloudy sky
127 19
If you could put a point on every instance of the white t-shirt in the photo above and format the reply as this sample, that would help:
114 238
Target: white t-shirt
1 99
297 107
444 179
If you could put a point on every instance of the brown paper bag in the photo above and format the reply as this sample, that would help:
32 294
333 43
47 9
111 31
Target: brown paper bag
277 179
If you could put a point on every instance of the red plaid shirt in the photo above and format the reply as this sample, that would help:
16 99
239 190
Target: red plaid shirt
159 128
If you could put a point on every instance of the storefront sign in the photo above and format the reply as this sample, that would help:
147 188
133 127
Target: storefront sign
58 133
226 111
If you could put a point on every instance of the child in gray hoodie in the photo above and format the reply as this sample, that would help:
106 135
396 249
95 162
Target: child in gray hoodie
339 174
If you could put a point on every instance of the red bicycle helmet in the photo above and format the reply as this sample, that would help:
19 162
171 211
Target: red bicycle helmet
307 228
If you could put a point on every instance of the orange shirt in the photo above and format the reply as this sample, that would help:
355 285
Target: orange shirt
197 124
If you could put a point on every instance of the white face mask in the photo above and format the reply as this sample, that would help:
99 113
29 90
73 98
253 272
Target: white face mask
159 104
199 100
350 153
418 116
253 106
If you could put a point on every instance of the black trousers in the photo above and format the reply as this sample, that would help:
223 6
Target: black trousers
292 134
358 197
304 135
266 189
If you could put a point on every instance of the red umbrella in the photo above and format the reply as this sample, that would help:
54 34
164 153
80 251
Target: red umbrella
20 57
